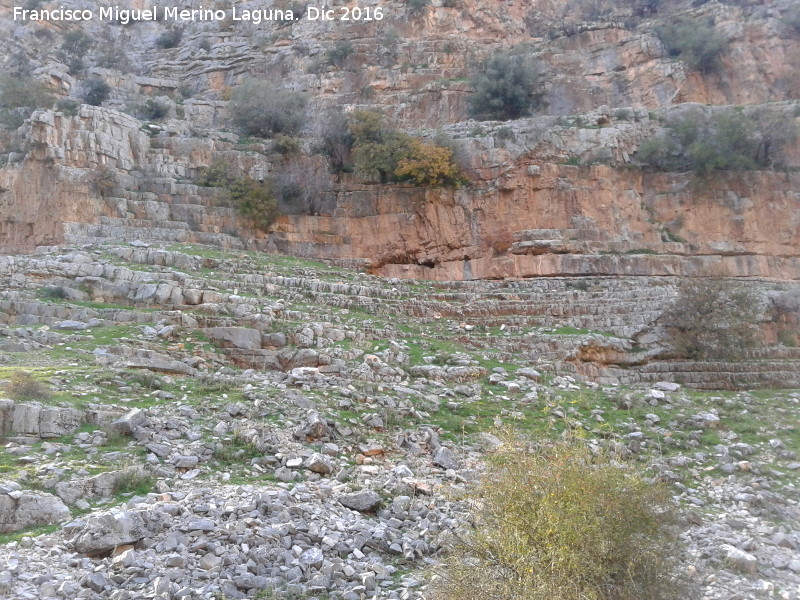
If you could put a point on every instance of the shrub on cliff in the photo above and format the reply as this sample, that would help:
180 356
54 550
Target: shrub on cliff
418 6
505 89
383 154
562 523
696 42
426 164
95 91
337 140
254 199
19 97
74 47
300 184
170 38
153 109
262 109
713 318
728 140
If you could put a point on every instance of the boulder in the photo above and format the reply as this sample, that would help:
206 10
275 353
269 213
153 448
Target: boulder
102 533
21 510
319 463
128 423
740 560
364 501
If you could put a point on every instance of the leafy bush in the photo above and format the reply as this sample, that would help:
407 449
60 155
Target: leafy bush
697 43
286 145
384 154
643 8
135 481
153 109
252 198
19 97
428 165
23 386
217 174
712 318
53 292
505 89
564 524
339 54
236 451
262 109
68 106
418 6
95 91
75 45
729 140
170 38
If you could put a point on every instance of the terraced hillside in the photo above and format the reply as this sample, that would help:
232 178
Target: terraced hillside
209 424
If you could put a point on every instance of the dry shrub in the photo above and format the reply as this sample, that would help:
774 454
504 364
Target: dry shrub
300 184
563 523
23 386
713 318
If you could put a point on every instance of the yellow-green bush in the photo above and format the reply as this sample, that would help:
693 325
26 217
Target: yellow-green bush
384 154
20 96
563 523
426 164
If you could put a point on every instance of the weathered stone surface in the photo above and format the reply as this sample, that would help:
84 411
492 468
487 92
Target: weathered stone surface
742 561
319 463
102 533
57 421
236 337
128 423
364 501
22 510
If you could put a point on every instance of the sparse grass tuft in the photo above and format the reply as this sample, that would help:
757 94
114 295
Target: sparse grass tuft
134 481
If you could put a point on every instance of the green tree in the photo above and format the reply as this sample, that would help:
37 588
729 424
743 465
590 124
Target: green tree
506 89
696 42
724 140
95 91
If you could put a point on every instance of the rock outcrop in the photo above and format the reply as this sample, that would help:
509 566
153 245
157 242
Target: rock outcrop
551 195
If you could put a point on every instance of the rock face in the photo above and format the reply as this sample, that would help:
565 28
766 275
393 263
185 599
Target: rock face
35 419
23 509
606 82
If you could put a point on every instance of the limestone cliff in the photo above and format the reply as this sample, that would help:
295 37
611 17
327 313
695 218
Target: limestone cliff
561 192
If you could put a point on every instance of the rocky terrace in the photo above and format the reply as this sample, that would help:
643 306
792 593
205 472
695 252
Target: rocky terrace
213 424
